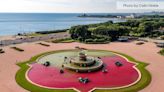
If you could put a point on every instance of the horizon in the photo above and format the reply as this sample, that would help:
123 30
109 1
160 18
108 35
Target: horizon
81 12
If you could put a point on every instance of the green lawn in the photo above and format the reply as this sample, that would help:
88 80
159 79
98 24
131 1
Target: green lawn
66 40
161 52
21 80
34 34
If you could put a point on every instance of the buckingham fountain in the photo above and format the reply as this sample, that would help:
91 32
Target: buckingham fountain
82 63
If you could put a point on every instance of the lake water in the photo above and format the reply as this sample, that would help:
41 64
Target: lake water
13 23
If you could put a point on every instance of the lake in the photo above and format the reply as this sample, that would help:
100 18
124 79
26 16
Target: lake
13 23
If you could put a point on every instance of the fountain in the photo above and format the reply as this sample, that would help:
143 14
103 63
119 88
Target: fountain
83 63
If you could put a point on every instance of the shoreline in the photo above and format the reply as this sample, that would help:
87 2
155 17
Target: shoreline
50 22
16 39
5 37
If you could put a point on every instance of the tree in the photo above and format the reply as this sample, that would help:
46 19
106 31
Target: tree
111 31
81 32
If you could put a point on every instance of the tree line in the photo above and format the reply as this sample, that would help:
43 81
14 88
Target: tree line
110 31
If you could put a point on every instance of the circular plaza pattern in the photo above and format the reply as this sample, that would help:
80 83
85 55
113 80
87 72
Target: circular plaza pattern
82 71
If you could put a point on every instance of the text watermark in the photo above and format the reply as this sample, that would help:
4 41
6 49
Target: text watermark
140 5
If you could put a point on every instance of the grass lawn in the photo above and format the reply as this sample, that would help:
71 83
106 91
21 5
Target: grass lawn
21 80
66 40
34 34
161 52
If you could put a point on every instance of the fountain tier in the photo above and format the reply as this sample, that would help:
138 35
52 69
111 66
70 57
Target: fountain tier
83 63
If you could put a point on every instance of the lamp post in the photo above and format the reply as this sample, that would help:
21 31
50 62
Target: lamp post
1 43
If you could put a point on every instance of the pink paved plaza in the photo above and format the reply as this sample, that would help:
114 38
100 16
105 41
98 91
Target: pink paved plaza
147 53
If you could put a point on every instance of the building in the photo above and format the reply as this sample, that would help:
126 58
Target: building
132 16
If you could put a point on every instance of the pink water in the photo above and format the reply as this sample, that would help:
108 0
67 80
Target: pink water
116 76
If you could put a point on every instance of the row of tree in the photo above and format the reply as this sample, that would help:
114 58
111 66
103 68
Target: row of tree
140 28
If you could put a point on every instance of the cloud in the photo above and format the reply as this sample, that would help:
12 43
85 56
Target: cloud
102 6
54 5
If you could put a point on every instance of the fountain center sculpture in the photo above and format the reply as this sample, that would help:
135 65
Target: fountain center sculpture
83 63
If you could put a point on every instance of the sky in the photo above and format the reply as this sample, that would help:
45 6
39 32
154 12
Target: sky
63 6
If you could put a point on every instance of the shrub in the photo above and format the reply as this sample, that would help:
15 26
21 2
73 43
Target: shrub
18 49
100 40
96 41
50 32
66 40
161 52
162 37
139 43
43 44
88 40
80 39
1 51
